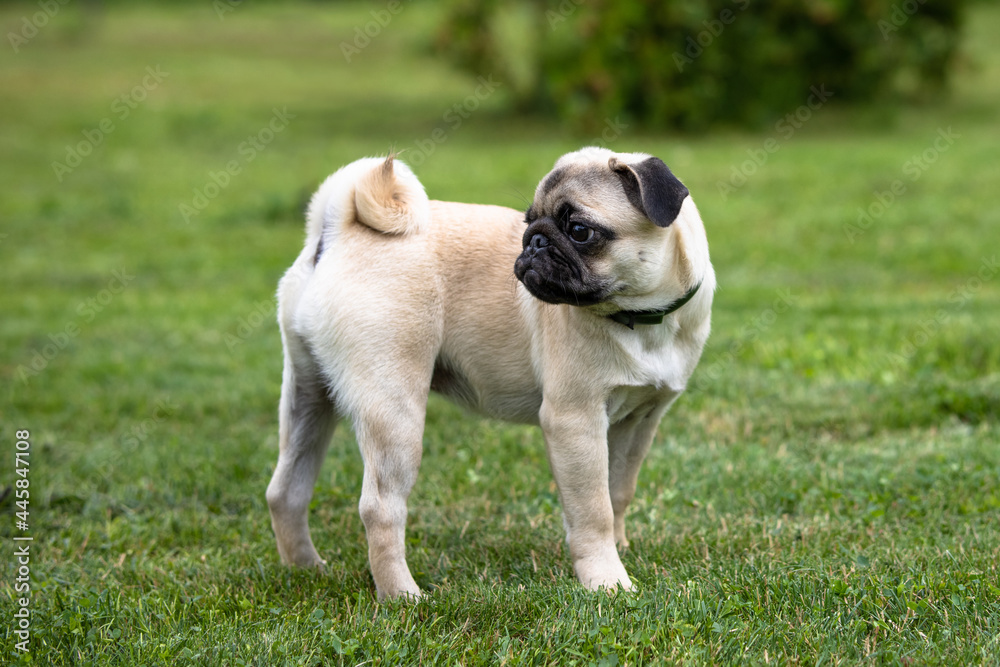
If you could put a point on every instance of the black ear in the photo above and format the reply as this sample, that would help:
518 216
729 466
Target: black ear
652 188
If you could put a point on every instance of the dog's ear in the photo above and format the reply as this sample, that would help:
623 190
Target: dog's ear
652 188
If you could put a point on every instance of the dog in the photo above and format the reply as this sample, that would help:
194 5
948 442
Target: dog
394 295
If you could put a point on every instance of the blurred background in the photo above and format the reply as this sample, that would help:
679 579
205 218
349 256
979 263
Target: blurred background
842 154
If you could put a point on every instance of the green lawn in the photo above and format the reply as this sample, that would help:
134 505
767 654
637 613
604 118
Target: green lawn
827 492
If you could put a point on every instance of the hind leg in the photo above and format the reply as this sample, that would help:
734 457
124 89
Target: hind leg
384 383
383 377
306 422
390 429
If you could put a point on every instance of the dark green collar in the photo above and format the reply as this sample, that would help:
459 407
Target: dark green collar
630 318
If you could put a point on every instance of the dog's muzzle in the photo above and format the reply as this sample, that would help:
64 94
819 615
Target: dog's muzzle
537 242
552 273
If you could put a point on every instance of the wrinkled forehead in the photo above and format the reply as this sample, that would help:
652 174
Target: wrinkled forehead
590 184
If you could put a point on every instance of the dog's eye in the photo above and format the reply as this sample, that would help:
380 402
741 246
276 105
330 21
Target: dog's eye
581 233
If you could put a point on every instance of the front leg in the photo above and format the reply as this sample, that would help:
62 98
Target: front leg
576 437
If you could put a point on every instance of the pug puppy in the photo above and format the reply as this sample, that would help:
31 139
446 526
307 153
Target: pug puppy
394 296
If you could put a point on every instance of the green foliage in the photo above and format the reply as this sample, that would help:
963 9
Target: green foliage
695 63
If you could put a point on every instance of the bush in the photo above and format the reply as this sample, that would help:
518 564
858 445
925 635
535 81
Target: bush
694 63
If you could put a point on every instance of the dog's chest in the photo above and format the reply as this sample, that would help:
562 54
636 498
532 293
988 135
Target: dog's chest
640 401
651 375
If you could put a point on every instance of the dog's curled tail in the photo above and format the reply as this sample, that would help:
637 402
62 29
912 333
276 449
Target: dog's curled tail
380 193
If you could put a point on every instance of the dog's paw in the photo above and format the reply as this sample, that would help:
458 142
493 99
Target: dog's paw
409 594
605 574
610 584
304 559
394 581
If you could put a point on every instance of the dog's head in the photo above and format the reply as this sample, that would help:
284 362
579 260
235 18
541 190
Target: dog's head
601 233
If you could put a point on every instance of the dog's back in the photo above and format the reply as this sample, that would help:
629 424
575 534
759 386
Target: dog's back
436 252
380 194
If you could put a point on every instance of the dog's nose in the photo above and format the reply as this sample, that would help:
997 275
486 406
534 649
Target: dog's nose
539 241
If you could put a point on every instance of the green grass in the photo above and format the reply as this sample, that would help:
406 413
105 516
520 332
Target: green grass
826 492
